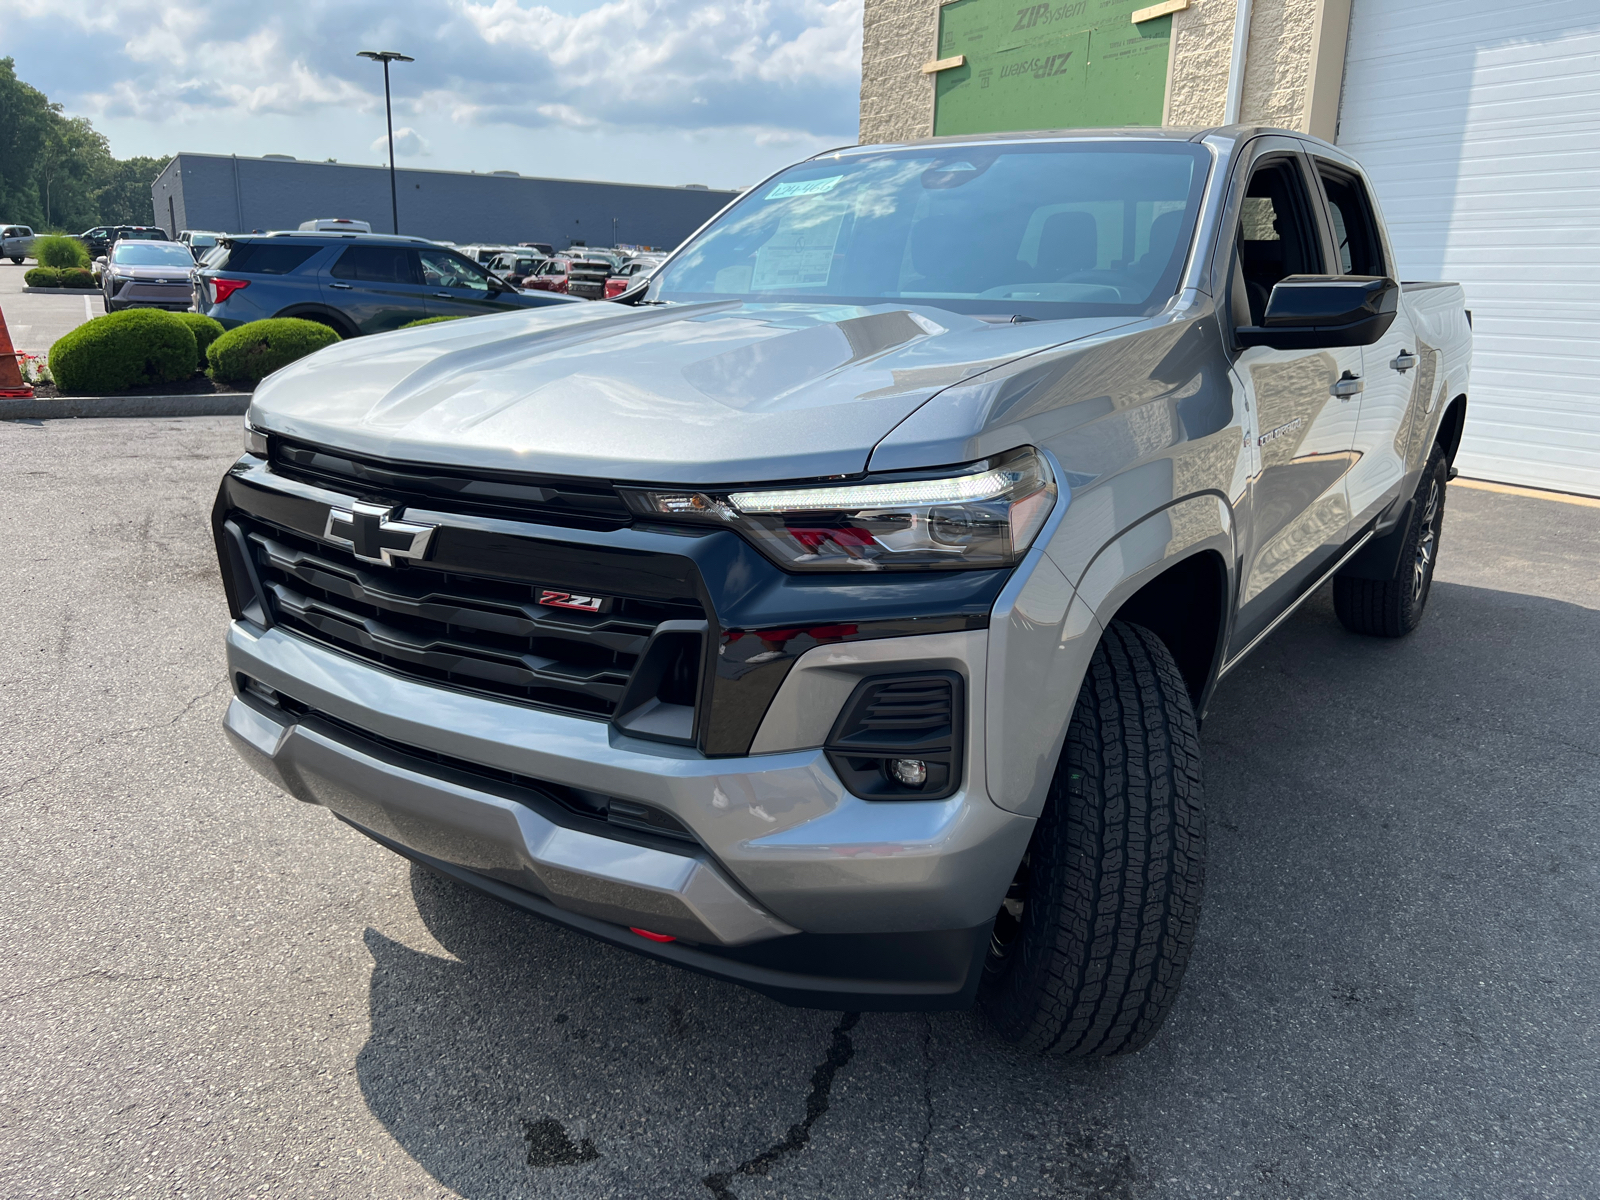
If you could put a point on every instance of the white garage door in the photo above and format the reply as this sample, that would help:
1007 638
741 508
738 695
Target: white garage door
1479 121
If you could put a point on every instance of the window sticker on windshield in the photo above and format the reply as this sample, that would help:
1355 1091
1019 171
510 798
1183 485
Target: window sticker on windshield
807 187
800 254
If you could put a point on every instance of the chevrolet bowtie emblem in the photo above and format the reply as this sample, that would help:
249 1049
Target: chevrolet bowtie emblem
368 531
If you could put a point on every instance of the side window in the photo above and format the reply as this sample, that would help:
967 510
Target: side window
267 258
375 264
1277 236
1355 232
440 268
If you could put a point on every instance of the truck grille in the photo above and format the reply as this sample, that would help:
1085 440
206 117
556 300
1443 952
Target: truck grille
485 635
583 505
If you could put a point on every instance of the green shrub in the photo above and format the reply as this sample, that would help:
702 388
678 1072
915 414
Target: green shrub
42 277
205 332
249 353
78 277
429 321
60 252
122 350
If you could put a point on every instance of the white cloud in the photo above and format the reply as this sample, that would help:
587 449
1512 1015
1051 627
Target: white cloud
723 90
625 64
408 143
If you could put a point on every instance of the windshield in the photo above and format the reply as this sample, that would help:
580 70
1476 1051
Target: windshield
1042 229
151 254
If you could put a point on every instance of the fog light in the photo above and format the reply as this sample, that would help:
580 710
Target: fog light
912 772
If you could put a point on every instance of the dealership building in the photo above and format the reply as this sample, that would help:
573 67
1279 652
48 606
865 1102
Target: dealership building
230 194
1477 120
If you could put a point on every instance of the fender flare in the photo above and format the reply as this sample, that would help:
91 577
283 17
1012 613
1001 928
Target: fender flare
1043 631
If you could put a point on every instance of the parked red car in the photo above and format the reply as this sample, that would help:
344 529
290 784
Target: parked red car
549 276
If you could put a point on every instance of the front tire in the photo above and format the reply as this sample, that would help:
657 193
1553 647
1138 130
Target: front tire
1393 607
18 261
1090 947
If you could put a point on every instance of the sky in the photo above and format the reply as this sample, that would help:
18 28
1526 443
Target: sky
716 92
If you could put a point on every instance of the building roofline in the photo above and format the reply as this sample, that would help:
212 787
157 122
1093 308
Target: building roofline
311 162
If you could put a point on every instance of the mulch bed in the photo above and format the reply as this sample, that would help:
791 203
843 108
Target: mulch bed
198 386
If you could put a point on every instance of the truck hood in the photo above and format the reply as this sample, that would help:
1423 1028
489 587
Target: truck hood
687 394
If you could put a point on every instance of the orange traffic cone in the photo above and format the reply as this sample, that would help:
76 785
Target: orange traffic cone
11 385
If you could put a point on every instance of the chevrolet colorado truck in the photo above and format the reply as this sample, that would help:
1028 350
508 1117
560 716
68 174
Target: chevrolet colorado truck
834 613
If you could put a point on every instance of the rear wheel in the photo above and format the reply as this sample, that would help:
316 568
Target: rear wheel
16 260
1393 607
1090 946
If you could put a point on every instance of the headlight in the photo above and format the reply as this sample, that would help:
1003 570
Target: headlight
255 441
984 514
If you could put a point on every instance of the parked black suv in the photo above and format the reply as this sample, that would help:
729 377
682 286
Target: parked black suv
357 283
99 239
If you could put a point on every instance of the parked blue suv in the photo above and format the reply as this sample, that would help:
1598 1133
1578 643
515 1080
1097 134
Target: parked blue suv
354 282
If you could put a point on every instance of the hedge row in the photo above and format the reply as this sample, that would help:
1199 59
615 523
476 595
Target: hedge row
49 277
141 346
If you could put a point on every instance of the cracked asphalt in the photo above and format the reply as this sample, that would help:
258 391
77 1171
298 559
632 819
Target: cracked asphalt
211 990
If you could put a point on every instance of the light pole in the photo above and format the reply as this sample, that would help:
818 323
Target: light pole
386 57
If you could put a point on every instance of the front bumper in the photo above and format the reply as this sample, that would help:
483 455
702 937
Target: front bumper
796 888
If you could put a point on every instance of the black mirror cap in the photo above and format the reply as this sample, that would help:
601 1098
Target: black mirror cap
1313 312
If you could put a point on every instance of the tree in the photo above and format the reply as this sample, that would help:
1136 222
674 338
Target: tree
25 120
57 172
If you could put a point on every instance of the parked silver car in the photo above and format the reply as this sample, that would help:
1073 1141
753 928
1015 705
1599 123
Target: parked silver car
16 242
138 274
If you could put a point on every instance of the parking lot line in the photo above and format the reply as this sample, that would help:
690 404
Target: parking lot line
88 310
1510 489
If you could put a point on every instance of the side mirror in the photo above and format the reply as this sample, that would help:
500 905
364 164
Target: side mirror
1314 312
101 261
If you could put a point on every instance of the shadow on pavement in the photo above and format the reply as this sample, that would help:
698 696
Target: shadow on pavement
1394 959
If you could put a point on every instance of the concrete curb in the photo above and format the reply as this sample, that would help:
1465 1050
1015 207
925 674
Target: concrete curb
94 291
217 404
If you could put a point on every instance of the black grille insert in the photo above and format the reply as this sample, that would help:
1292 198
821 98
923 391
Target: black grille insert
479 634
560 502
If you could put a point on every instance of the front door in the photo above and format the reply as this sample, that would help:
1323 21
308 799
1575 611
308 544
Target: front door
1392 365
458 288
1302 401
377 287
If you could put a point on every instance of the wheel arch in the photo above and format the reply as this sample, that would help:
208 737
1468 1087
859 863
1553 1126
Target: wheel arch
1044 631
323 315
1451 426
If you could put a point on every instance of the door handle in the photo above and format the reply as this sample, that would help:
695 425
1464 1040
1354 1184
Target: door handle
1348 385
443 296
1404 361
344 287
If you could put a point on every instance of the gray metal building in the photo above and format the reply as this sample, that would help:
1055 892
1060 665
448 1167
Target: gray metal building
236 195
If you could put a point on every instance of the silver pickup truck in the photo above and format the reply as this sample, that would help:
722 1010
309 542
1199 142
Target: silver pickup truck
835 612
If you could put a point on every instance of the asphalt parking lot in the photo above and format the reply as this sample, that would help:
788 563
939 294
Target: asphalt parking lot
36 321
212 990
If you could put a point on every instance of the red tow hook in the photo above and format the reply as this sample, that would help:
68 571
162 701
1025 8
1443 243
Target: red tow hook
654 937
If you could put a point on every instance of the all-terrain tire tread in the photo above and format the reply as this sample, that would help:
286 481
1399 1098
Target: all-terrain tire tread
1118 864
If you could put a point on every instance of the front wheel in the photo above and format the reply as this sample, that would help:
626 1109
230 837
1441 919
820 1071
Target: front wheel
18 261
1393 607
1089 948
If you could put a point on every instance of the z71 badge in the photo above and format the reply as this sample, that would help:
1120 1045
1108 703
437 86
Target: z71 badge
554 599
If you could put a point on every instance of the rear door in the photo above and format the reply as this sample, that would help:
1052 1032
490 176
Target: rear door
1301 399
1391 366
377 287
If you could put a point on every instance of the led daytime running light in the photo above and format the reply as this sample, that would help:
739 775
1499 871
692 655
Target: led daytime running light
987 485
